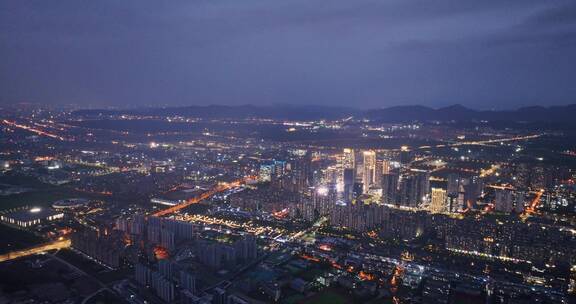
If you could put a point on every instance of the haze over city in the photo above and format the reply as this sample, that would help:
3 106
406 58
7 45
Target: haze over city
287 152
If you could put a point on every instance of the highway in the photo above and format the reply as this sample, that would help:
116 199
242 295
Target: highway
33 130
60 244
483 142
535 202
220 187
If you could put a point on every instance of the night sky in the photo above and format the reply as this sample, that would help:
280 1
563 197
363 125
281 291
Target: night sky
361 53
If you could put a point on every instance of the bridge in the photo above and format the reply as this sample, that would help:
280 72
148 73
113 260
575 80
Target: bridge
220 187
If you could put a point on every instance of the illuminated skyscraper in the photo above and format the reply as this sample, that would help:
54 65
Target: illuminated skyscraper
378 169
266 172
324 199
369 172
405 155
386 167
279 167
438 202
348 159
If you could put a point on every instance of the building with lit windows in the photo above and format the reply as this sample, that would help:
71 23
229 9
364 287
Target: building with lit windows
369 172
266 172
438 201
28 217
348 159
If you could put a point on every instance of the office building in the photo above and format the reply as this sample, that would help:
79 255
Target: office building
369 170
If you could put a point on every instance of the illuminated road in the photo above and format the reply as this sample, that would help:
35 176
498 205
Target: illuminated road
495 141
301 235
531 209
483 142
535 202
33 130
35 250
221 187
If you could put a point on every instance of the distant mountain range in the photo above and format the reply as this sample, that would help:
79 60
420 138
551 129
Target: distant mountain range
234 112
553 114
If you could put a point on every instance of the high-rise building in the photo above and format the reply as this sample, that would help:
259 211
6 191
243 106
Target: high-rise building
142 274
166 268
348 159
164 288
537 178
188 281
246 249
153 234
438 200
414 188
358 217
167 239
265 173
348 182
358 189
107 248
386 166
121 224
473 189
301 173
279 168
405 155
461 199
137 225
378 171
390 187
504 200
453 184
369 169
324 199
452 203
519 201
331 175
210 255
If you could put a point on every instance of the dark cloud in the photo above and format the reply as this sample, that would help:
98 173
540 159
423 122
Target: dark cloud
368 53
560 15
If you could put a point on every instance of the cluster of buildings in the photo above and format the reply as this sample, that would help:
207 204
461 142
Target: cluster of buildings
164 280
402 179
107 249
217 255
372 223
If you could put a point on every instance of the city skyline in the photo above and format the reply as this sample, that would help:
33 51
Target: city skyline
288 152
213 206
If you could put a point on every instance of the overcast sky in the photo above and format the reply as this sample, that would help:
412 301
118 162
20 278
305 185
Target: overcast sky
362 53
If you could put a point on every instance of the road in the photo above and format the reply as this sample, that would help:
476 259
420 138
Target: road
33 130
60 244
220 187
483 142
